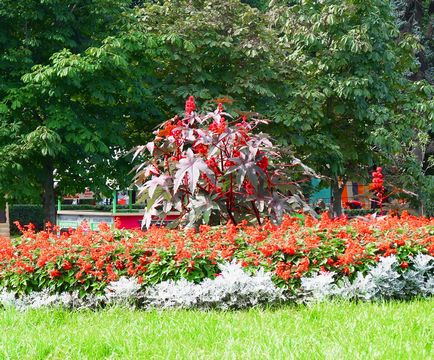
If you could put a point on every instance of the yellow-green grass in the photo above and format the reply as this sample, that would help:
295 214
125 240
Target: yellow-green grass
333 330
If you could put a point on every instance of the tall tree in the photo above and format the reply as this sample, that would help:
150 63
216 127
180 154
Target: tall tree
414 164
351 62
68 92
93 84
214 49
416 17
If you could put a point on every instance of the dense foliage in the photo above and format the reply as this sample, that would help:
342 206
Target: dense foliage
26 214
415 163
77 95
351 100
82 82
415 17
66 87
214 49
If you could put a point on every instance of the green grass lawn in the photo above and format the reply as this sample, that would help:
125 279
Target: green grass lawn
325 331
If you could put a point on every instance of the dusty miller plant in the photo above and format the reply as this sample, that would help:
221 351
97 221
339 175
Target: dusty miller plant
318 287
419 280
45 299
236 289
232 289
215 166
383 281
125 291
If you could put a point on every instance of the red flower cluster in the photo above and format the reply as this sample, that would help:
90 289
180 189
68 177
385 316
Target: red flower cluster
190 105
263 163
218 127
87 261
378 185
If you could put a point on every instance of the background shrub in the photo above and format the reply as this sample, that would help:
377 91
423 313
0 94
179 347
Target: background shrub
107 208
360 212
25 214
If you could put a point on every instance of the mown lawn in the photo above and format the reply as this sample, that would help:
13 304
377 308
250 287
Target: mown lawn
325 331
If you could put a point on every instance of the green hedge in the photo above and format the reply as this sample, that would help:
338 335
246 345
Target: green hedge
25 214
101 207
360 212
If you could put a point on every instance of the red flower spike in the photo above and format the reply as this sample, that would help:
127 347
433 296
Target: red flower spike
377 186
263 163
190 105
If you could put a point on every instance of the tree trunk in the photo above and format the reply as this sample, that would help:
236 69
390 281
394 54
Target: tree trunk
48 196
336 201
413 17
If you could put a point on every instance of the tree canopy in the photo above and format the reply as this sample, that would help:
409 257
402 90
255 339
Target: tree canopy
352 91
82 82
68 93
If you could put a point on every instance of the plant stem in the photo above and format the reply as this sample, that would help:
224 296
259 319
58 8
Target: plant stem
230 214
256 211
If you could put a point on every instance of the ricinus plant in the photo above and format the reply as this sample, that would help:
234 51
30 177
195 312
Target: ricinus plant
216 167
378 187
393 206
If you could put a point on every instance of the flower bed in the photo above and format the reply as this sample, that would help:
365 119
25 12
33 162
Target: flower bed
331 251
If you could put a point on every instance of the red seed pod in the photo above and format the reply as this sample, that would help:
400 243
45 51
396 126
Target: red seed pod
190 105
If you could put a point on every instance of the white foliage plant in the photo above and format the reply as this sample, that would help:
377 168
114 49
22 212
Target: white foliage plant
382 282
234 288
